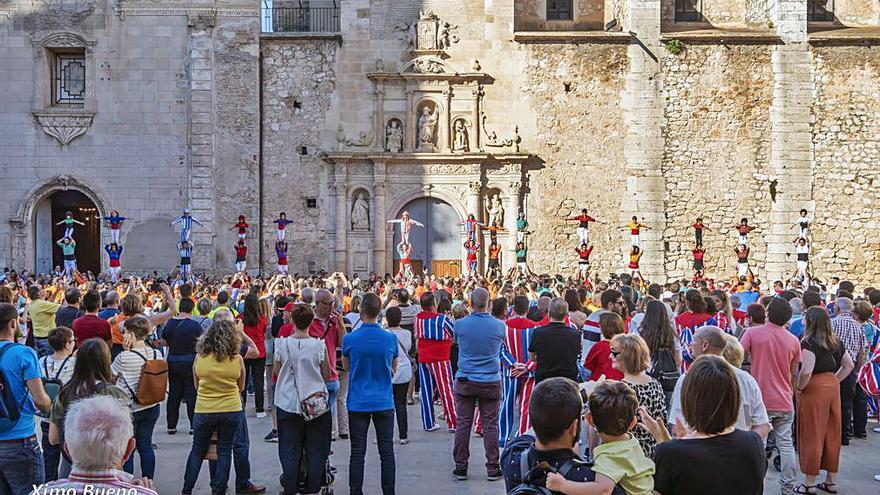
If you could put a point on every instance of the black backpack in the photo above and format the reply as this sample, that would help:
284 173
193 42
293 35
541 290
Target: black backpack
664 370
528 481
10 408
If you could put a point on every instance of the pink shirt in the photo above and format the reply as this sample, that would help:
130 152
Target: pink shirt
773 350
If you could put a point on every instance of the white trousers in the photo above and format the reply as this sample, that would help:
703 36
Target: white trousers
240 266
742 269
635 239
114 273
280 234
114 236
282 269
583 235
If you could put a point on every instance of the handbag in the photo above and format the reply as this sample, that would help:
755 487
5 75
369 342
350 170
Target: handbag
316 404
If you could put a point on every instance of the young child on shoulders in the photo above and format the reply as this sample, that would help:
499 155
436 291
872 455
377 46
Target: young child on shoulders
619 460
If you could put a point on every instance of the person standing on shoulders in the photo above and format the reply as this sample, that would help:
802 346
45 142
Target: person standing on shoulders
22 467
370 355
776 357
478 382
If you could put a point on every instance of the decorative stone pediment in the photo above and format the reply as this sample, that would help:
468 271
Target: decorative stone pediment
65 126
64 39
427 65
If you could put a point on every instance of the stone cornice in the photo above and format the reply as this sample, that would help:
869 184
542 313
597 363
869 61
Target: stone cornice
845 36
562 37
345 157
149 10
724 37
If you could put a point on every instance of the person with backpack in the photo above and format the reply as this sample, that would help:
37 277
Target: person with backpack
710 340
91 376
555 410
143 372
664 348
57 370
21 394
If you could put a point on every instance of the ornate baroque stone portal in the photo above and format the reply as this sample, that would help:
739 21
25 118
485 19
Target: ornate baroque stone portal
428 118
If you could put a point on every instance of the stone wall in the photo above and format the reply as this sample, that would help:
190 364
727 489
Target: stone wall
574 95
133 154
857 12
299 86
716 133
847 153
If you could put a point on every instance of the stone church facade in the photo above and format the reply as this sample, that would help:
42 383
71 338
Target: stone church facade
345 114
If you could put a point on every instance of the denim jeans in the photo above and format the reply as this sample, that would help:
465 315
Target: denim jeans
332 393
241 446
205 424
358 424
297 437
43 347
21 467
51 454
143 422
180 388
782 427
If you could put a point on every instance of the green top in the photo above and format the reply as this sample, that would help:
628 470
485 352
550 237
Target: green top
625 464
69 221
521 224
67 249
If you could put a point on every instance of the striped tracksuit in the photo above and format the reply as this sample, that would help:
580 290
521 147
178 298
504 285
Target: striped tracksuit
516 390
433 332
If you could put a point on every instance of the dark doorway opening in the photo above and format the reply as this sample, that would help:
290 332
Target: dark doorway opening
87 237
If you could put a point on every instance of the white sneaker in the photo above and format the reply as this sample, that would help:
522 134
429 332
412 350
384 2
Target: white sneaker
261 415
404 441
877 429
877 477
433 428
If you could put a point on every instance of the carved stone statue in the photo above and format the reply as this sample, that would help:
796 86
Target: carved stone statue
394 137
427 126
495 210
460 137
360 213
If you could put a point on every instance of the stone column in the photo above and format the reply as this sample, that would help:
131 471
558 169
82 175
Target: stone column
379 125
341 220
380 219
475 117
475 189
447 120
510 213
642 103
411 128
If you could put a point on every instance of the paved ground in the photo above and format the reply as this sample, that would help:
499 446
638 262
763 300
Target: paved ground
425 464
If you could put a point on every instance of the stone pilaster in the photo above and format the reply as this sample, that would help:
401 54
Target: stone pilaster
380 225
791 155
201 140
342 223
642 104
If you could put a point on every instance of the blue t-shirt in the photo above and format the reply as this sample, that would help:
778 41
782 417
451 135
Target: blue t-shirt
107 313
370 350
797 327
20 365
746 298
479 338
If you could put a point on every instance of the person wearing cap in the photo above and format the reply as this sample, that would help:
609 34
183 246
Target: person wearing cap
186 220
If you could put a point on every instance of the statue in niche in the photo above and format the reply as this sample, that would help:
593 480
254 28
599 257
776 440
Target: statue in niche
495 210
427 126
460 137
360 213
394 137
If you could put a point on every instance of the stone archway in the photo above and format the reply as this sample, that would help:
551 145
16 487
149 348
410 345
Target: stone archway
23 223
